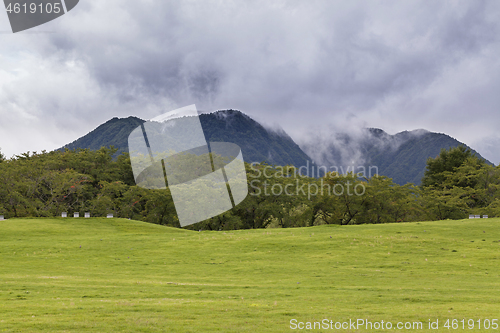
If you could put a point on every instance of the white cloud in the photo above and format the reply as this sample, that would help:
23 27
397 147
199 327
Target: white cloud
394 65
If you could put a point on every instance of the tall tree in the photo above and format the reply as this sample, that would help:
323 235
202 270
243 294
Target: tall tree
446 162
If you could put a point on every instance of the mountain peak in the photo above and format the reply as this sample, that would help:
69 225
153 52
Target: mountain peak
257 143
402 156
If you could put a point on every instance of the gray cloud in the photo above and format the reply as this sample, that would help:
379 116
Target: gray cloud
329 65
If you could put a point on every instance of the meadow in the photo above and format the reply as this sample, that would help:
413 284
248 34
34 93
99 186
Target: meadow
119 275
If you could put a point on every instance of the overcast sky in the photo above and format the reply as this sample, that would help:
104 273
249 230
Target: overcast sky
308 66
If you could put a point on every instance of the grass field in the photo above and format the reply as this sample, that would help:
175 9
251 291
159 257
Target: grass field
111 275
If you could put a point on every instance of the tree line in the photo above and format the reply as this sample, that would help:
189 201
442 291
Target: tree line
456 183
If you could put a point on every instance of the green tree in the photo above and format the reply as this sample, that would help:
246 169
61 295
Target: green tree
389 202
448 161
349 193
441 204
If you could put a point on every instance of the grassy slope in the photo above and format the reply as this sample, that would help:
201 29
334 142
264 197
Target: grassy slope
134 276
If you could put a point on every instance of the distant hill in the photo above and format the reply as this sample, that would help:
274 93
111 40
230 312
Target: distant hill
402 157
257 143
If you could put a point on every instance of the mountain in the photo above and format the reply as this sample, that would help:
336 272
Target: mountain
402 157
257 143
114 132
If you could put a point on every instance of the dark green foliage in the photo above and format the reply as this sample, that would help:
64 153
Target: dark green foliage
458 182
46 184
446 162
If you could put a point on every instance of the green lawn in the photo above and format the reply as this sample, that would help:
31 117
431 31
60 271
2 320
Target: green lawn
110 275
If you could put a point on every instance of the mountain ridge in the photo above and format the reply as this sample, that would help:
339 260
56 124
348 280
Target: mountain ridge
401 156
258 143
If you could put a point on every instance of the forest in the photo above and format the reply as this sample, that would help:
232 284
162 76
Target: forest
456 183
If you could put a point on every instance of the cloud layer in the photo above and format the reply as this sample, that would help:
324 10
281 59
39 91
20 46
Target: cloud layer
307 66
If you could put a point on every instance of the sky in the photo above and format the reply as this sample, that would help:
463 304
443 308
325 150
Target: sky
307 66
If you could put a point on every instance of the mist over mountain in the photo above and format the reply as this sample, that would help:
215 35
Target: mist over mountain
402 156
